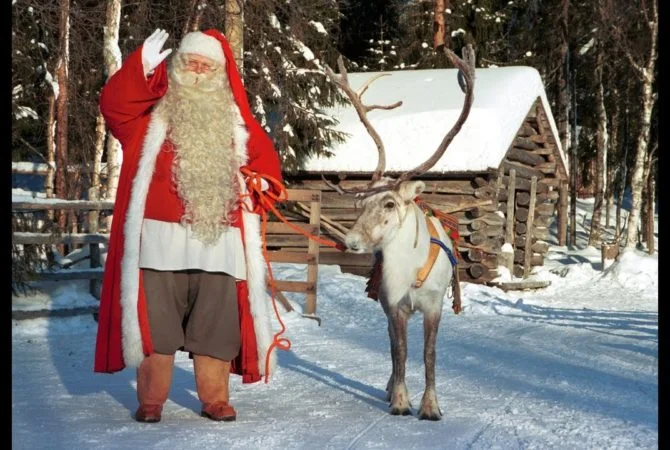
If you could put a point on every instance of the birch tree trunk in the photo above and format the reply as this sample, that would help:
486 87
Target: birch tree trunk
62 107
196 8
647 211
601 149
651 202
189 20
642 143
94 189
612 150
564 81
112 56
51 144
642 235
234 30
439 25
572 240
623 176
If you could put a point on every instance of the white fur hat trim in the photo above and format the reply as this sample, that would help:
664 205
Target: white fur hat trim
202 44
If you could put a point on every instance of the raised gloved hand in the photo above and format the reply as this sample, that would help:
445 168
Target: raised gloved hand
151 50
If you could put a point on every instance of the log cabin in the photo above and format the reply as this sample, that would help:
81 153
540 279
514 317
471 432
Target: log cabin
504 176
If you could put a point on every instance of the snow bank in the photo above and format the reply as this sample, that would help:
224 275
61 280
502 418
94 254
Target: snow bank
634 268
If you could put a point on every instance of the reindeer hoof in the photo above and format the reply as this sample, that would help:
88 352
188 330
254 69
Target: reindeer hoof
436 415
397 411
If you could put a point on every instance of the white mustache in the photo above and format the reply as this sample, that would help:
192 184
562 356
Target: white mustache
201 82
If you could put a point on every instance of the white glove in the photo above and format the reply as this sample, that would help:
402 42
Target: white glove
151 51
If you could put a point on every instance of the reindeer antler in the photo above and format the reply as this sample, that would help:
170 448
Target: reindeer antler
466 76
342 81
467 70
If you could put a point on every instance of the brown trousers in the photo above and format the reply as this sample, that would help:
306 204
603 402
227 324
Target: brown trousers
193 311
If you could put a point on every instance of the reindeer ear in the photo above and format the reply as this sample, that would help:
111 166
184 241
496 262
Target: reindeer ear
411 189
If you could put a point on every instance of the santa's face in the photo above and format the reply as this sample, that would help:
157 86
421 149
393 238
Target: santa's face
196 71
199 64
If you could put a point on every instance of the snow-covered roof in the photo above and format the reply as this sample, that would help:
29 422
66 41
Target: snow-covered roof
432 101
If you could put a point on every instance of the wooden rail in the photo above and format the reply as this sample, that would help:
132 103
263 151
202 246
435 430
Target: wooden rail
95 270
75 205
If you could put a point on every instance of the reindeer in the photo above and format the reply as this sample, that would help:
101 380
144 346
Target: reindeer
415 271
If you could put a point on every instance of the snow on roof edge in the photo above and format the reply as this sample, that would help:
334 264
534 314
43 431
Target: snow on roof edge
503 98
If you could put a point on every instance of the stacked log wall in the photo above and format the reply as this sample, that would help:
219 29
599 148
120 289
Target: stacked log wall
472 200
533 153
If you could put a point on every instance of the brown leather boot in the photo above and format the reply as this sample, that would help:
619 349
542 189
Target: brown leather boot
219 411
211 380
154 377
149 413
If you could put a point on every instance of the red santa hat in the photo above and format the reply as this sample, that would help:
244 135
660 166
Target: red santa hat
217 44
202 44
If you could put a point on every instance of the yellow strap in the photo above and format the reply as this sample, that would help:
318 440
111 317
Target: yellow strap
432 255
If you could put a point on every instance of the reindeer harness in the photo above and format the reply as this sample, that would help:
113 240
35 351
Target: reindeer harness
435 245
450 224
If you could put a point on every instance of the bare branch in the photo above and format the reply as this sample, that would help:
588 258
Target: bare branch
37 152
653 151
627 52
654 12
605 11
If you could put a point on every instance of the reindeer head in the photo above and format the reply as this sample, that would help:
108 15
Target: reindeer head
383 214
385 201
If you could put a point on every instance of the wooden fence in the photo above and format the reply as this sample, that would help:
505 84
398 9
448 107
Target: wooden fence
95 270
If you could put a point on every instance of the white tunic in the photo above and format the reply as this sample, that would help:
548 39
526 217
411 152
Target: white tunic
171 246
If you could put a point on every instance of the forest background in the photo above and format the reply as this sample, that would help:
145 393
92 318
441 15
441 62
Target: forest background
597 58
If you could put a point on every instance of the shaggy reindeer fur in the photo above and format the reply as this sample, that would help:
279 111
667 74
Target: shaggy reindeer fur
392 223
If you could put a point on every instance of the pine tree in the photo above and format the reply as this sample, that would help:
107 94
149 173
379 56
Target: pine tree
287 44
363 25
382 49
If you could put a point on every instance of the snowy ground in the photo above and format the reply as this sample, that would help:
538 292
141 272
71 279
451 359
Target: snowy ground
570 366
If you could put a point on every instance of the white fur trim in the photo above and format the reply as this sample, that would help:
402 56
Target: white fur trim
202 44
133 353
259 300
241 135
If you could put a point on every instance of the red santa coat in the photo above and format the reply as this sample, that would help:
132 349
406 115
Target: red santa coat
124 337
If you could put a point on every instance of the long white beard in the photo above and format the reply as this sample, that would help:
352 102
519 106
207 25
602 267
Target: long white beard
199 111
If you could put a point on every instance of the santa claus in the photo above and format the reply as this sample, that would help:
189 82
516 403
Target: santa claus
184 268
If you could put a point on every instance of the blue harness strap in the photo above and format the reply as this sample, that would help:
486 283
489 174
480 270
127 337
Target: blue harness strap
451 256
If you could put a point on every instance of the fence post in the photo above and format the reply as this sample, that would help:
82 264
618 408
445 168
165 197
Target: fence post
529 229
313 249
94 250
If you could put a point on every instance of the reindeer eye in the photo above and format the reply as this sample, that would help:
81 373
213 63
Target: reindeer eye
389 205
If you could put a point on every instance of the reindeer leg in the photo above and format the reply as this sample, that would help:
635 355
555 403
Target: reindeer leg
429 408
399 397
389 385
